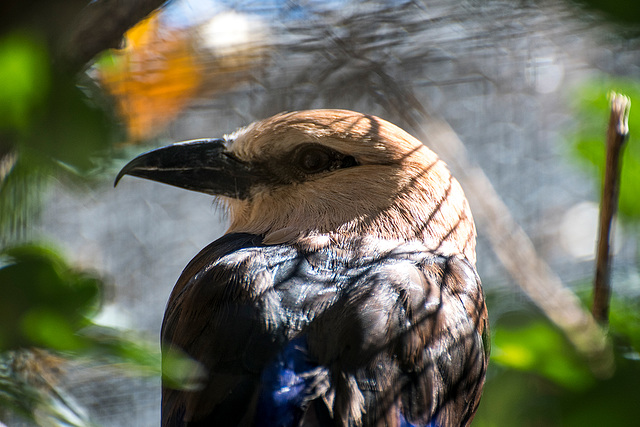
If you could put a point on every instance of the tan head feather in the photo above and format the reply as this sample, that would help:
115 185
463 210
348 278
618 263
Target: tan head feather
400 189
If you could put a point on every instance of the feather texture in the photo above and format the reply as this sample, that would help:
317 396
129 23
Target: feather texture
372 333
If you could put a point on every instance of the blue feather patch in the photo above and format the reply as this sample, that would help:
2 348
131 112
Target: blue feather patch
285 388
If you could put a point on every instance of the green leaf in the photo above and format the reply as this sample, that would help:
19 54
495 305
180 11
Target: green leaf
24 79
181 372
539 348
126 348
526 385
73 131
48 328
43 301
624 325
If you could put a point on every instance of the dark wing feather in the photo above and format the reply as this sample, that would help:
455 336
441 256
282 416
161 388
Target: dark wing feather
371 334
404 341
195 322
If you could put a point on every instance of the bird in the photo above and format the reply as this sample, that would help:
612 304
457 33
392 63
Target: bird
344 292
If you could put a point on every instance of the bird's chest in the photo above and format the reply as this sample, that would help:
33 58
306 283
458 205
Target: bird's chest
304 310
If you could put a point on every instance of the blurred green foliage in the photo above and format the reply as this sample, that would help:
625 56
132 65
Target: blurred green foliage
539 348
43 112
25 71
50 128
535 377
624 324
43 301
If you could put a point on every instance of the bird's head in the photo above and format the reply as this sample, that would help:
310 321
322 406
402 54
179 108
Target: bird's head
321 176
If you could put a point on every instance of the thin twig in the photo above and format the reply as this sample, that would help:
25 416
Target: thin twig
617 134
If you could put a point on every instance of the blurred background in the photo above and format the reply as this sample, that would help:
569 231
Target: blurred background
512 94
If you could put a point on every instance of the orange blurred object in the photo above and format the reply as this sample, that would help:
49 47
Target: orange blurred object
153 78
162 69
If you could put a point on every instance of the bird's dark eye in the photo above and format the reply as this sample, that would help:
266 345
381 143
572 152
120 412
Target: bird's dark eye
314 159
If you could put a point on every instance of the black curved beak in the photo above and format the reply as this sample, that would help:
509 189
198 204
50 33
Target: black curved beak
200 165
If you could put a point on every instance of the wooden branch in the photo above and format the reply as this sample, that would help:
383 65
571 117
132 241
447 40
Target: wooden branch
617 134
101 25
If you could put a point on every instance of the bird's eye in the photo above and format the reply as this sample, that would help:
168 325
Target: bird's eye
314 159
